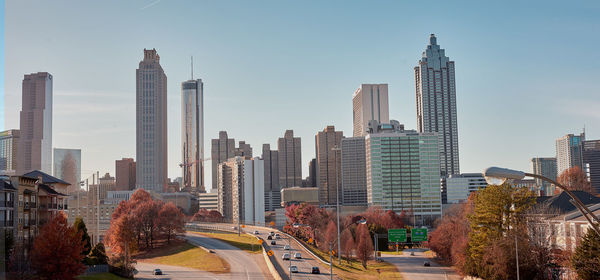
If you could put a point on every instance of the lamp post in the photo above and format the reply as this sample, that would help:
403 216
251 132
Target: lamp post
337 201
504 174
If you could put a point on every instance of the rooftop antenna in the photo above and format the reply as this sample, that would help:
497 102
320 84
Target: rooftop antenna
192 66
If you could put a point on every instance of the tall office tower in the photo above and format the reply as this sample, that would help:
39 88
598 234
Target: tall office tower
35 142
67 167
569 152
436 103
311 180
221 150
354 173
369 102
403 171
272 189
125 174
591 162
243 150
545 166
151 123
327 149
290 160
241 190
192 135
9 141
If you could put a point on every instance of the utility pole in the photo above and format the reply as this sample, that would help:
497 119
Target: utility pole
337 198
97 207
517 254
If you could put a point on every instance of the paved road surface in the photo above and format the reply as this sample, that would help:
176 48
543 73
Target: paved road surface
174 272
243 265
411 267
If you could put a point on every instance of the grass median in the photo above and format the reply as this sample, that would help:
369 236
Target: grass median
246 242
186 255
353 269
101 276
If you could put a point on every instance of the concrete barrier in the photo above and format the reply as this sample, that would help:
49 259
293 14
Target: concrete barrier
306 249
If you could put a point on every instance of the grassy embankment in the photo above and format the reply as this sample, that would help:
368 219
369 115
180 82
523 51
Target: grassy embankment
245 242
187 255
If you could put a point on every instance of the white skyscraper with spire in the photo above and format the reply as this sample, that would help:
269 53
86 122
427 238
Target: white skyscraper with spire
192 134
436 103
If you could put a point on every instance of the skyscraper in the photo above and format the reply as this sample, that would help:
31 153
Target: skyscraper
67 167
369 102
591 162
241 190
243 150
9 141
35 142
354 176
290 160
545 166
436 103
272 189
328 146
151 123
222 149
569 152
403 171
192 134
125 174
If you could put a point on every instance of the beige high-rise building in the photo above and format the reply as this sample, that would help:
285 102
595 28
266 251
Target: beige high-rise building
328 146
35 142
106 184
221 150
290 160
9 141
369 102
241 190
151 123
125 174
243 150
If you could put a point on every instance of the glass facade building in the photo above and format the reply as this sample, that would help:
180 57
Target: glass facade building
403 171
192 134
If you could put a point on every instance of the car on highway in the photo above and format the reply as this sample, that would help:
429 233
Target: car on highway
315 270
412 253
234 228
157 272
277 236
211 251
269 237
273 242
293 269
271 233
256 232
285 257
298 256
426 263
286 247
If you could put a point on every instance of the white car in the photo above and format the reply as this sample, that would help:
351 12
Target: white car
256 232
293 269
286 257
277 236
286 247
297 256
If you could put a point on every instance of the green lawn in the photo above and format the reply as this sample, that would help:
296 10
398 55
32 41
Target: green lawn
391 253
355 271
245 242
187 255
100 276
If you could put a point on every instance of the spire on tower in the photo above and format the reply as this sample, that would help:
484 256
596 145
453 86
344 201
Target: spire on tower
192 66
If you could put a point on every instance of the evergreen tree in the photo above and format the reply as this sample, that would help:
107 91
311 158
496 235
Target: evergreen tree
98 255
79 225
586 259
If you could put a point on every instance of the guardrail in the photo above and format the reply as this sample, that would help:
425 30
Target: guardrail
308 250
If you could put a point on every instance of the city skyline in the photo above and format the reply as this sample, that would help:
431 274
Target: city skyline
108 108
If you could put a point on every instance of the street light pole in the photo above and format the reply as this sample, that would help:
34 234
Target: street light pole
337 198
517 254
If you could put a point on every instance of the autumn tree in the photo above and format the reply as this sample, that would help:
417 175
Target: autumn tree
450 234
122 239
365 244
574 179
348 243
586 259
330 235
85 238
57 250
171 220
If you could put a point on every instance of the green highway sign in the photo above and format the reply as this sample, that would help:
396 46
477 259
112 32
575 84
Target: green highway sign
418 234
397 235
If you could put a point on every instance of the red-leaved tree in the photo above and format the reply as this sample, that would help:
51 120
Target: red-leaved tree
575 179
348 243
171 220
57 250
365 244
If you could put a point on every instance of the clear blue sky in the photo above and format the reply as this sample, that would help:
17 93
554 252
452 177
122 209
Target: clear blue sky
526 71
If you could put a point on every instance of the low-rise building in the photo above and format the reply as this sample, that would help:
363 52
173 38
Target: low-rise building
208 201
294 195
8 194
458 187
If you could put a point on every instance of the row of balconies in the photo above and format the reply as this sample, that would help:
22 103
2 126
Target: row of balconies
29 205
53 206
7 203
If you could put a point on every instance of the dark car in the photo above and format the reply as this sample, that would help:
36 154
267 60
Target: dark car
269 237
315 270
273 242
157 272
426 263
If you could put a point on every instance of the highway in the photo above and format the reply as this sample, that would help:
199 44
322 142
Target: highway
243 265
411 267
174 272
304 265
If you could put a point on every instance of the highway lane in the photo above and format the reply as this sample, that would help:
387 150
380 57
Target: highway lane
174 272
243 265
411 267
